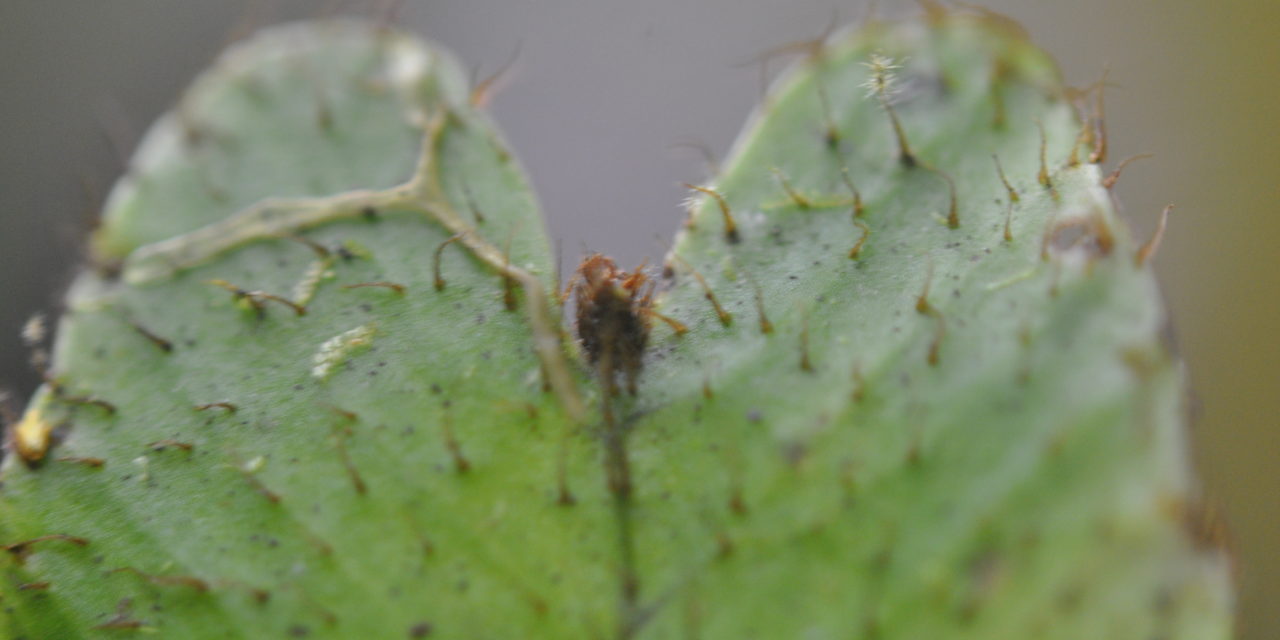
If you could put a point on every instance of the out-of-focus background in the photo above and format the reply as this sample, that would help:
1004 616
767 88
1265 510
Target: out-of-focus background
606 90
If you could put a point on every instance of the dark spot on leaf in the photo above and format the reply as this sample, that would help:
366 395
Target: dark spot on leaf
420 630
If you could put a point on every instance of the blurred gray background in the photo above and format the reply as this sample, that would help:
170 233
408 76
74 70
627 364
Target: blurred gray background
605 88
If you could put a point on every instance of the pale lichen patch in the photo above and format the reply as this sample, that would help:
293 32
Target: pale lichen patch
334 351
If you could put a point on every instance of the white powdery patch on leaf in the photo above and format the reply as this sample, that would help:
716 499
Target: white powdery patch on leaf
337 349
317 271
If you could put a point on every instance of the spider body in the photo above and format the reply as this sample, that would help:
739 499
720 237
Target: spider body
612 318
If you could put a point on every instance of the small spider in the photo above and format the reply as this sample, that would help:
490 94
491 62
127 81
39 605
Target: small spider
614 310
613 318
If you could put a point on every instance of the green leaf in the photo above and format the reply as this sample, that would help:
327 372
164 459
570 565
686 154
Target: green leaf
967 428
433 397
953 434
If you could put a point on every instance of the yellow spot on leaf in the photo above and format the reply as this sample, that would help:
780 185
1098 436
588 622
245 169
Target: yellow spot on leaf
32 435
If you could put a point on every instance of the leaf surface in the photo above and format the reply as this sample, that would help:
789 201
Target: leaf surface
924 409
